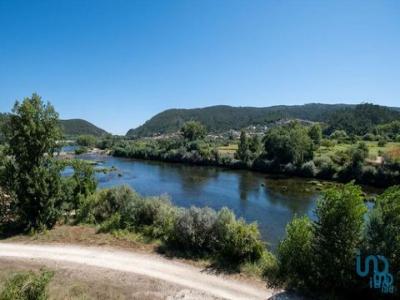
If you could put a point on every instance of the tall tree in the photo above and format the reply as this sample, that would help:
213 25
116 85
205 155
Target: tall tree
243 153
315 133
193 130
33 176
337 236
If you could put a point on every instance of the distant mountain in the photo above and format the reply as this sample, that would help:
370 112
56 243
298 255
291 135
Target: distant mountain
222 117
79 127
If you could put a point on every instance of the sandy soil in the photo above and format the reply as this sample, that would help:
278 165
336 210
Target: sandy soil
168 279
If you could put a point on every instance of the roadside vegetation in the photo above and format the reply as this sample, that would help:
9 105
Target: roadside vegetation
27 286
317 257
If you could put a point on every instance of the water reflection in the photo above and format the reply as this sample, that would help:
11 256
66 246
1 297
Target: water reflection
270 202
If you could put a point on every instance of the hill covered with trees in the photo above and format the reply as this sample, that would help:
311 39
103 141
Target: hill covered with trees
79 127
355 119
70 127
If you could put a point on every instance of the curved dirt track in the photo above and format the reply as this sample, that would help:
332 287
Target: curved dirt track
144 264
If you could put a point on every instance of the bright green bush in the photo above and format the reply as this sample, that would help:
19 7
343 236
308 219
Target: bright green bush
295 254
237 241
27 286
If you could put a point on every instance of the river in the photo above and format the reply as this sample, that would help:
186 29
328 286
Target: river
269 201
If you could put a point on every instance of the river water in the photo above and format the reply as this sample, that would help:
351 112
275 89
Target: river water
271 202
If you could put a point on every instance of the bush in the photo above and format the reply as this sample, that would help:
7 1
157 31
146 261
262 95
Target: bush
337 236
86 140
27 286
100 206
153 216
326 168
193 230
236 240
81 150
308 169
382 142
383 230
295 254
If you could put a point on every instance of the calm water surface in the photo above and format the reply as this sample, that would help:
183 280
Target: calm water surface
272 203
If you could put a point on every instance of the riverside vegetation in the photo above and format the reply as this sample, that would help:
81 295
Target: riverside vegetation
317 257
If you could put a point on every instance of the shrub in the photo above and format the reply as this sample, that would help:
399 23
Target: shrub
86 140
154 216
383 229
308 169
102 205
193 230
295 254
236 240
382 142
326 168
337 235
27 286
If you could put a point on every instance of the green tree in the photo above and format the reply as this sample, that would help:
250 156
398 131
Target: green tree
315 133
255 145
86 140
383 229
243 152
32 175
295 254
337 236
193 130
289 144
81 184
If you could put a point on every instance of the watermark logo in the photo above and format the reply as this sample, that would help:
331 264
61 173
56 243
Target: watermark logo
380 278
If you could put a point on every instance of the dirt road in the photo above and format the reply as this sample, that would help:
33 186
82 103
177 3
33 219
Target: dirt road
149 265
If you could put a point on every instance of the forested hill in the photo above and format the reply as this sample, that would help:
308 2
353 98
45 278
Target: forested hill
354 118
71 127
79 126
223 117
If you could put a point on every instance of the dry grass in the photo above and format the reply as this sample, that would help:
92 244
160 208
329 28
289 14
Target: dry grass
88 236
74 282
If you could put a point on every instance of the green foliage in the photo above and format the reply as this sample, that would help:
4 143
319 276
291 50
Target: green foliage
32 174
74 127
255 145
27 286
361 119
392 129
236 240
315 133
288 144
81 150
193 130
337 236
383 229
295 254
224 118
339 135
81 184
86 140
243 153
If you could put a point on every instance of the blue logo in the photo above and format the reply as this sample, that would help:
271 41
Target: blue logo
379 279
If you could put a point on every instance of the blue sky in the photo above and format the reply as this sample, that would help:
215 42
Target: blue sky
117 63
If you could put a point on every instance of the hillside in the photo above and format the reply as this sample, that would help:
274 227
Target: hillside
79 126
70 127
222 117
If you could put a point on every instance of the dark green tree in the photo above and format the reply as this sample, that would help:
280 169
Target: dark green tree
193 130
295 254
337 236
243 152
383 230
255 145
315 133
32 175
289 144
